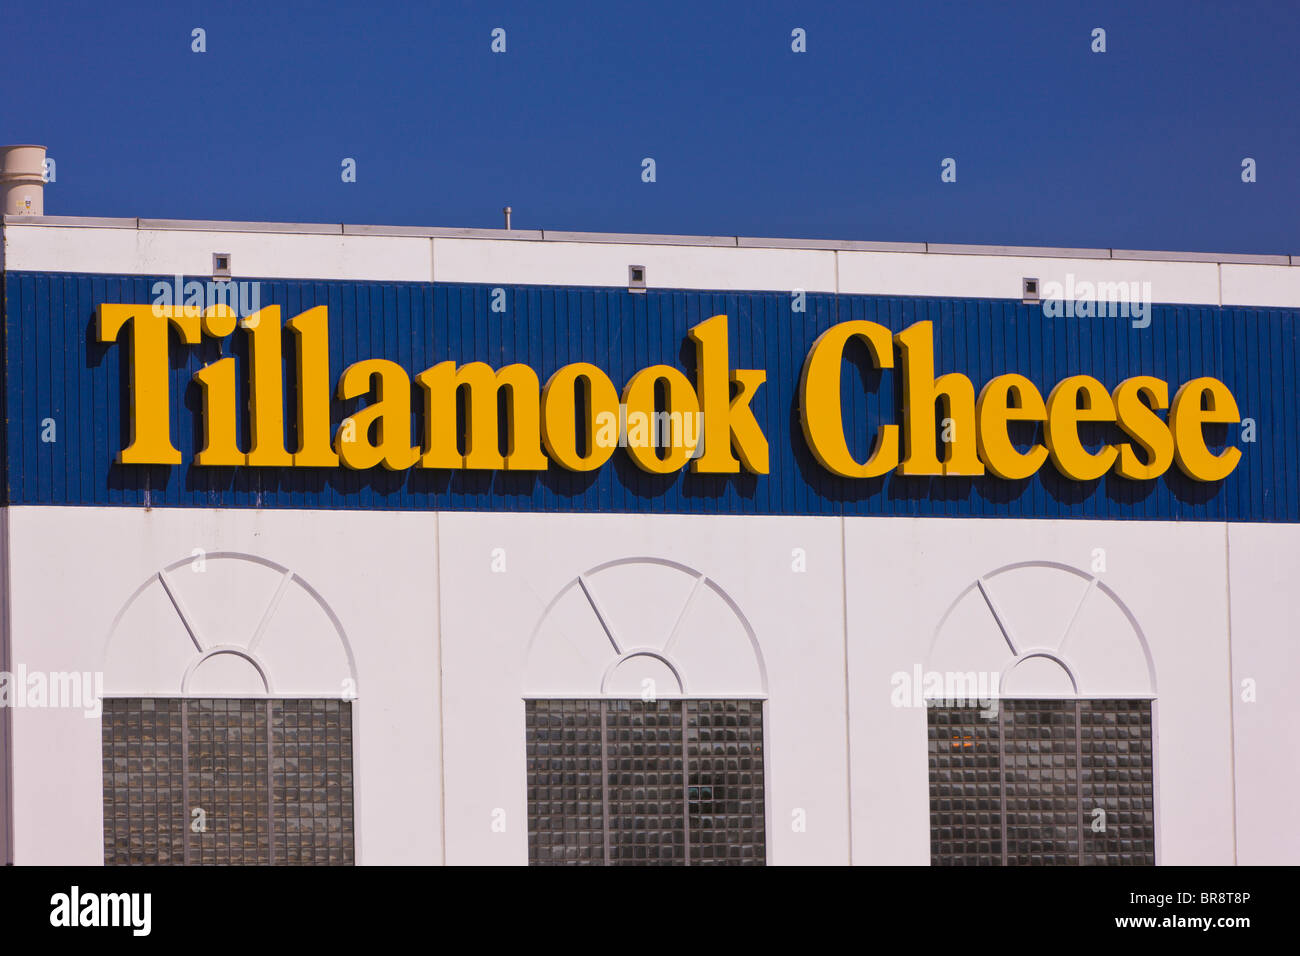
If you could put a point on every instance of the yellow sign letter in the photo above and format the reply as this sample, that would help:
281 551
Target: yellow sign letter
728 421
1186 418
819 401
151 442
994 409
921 392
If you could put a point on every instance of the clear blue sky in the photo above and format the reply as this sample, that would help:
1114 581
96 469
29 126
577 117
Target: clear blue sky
1139 147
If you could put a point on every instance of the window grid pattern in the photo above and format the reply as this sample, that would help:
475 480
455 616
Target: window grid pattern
1040 782
631 782
566 819
1022 787
965 787
724 747
272 780
1117 769
227 765
645 782
143 755
311 776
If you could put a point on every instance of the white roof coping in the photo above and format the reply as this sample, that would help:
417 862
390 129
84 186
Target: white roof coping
546 235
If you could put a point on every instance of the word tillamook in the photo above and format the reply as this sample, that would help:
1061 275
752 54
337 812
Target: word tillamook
975 437
713 411
75 908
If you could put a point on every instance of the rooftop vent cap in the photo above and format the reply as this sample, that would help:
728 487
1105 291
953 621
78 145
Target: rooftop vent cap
22 180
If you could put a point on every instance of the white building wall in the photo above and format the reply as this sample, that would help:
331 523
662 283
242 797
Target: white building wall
74 570
796 620
504 262
489 608
1264 564
1261 285
906 574
874 273
131 251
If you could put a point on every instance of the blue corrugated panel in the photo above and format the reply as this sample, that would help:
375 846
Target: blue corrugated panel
55 369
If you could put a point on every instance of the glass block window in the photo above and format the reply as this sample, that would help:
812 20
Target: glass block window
631 782
311 775
227 781
226 768
965 788
1042 782
1115 759
724 761
144 761
644 782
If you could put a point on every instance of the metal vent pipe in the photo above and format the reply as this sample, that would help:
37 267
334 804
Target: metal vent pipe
22 180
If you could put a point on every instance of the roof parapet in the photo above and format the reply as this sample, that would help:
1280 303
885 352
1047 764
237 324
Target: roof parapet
742 242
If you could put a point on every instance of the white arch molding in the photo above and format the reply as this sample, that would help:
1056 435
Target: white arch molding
637 619
227 624
1049 630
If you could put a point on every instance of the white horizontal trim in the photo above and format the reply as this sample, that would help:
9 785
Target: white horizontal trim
540 257
79 222
1022 251
606 264
642 240
836 245
264 255
1001 277
1257 286
1200 257
215 225
850 245
429 232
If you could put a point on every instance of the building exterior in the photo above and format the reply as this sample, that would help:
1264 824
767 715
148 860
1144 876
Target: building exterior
905 559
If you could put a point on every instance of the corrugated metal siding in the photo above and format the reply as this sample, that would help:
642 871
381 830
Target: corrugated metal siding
56 369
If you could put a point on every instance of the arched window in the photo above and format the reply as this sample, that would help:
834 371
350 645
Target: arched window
644 722
227 724
1040 711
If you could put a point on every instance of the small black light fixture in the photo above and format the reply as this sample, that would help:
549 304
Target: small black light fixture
221 265
636 279
1029 291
